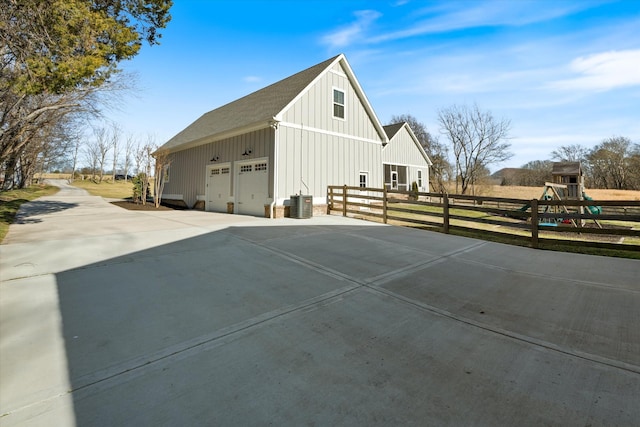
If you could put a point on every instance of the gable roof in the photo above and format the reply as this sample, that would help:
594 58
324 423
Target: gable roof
566 168
262 108
393 129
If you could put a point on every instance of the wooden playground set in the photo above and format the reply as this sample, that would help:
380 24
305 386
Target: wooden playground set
567 184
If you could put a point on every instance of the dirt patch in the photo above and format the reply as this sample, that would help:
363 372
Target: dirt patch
127 204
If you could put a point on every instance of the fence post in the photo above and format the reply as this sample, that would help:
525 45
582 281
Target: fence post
534 223
344 200
384 204
330 204
445 213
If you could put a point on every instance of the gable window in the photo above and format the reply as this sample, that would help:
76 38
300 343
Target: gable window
419 179
338 104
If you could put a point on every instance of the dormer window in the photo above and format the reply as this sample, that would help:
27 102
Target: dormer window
338 104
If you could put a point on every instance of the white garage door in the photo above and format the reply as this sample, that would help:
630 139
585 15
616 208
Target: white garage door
252 194
218 184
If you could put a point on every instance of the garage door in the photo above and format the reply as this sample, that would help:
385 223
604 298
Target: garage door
252 187
218 184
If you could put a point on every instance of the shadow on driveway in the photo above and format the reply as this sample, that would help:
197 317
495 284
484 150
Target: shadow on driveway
346 325
29 212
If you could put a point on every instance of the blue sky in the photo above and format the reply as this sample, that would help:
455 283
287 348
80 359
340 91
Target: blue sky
563 72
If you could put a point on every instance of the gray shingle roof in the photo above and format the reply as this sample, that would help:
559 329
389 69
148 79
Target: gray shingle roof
259 106
392 129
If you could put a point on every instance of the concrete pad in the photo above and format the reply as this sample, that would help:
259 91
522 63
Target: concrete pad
111 317
342 363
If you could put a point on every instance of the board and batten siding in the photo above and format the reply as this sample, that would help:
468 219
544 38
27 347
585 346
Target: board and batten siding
402 150
320 159
187 173
314 109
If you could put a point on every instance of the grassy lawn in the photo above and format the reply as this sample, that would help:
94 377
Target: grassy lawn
10 202
107 189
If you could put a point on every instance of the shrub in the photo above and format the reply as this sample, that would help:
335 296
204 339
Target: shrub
138 187
414 191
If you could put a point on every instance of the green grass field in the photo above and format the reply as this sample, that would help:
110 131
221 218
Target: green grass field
10 202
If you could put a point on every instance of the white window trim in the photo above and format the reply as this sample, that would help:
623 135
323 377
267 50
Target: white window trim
366 178
333 102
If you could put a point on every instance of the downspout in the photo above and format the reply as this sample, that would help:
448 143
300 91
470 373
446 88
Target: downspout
276 138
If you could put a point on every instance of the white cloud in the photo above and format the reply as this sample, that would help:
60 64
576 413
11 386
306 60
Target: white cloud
252 79
347 35
603 71
453 17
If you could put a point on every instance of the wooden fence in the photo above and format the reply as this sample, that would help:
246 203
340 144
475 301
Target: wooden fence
537 223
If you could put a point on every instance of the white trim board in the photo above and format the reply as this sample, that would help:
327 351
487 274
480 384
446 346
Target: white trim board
408 165
328 132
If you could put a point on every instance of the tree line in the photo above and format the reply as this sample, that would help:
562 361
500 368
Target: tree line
59 70
614 164
476 140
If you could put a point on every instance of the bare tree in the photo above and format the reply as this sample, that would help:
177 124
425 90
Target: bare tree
91 157
160 174
570 153
477 139
437 152
534 173
102 145
115 141
76 148
145 165
129 148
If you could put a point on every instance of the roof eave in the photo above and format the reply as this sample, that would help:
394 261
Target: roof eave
262 124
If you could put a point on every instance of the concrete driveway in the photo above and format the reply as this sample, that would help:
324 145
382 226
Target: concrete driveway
114 317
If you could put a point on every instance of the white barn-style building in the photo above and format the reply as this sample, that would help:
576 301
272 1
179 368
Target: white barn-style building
404 160
298 136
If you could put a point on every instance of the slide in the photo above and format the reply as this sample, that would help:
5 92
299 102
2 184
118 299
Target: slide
594 210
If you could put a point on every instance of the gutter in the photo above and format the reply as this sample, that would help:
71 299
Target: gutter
276 139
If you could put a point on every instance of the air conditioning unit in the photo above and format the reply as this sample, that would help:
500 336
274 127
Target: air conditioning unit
301 206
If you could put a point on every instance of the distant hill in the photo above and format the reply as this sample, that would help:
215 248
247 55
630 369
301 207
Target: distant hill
507 176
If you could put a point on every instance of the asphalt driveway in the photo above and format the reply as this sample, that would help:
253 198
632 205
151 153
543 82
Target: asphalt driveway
114 317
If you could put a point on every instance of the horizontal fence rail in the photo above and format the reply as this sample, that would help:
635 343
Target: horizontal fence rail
615 224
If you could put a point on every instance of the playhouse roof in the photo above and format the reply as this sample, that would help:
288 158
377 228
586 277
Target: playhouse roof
566 168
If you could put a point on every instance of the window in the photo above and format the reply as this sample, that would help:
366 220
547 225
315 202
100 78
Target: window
224 171
338 104
419 179
215 172
165 171
363 179
246 168
261 167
